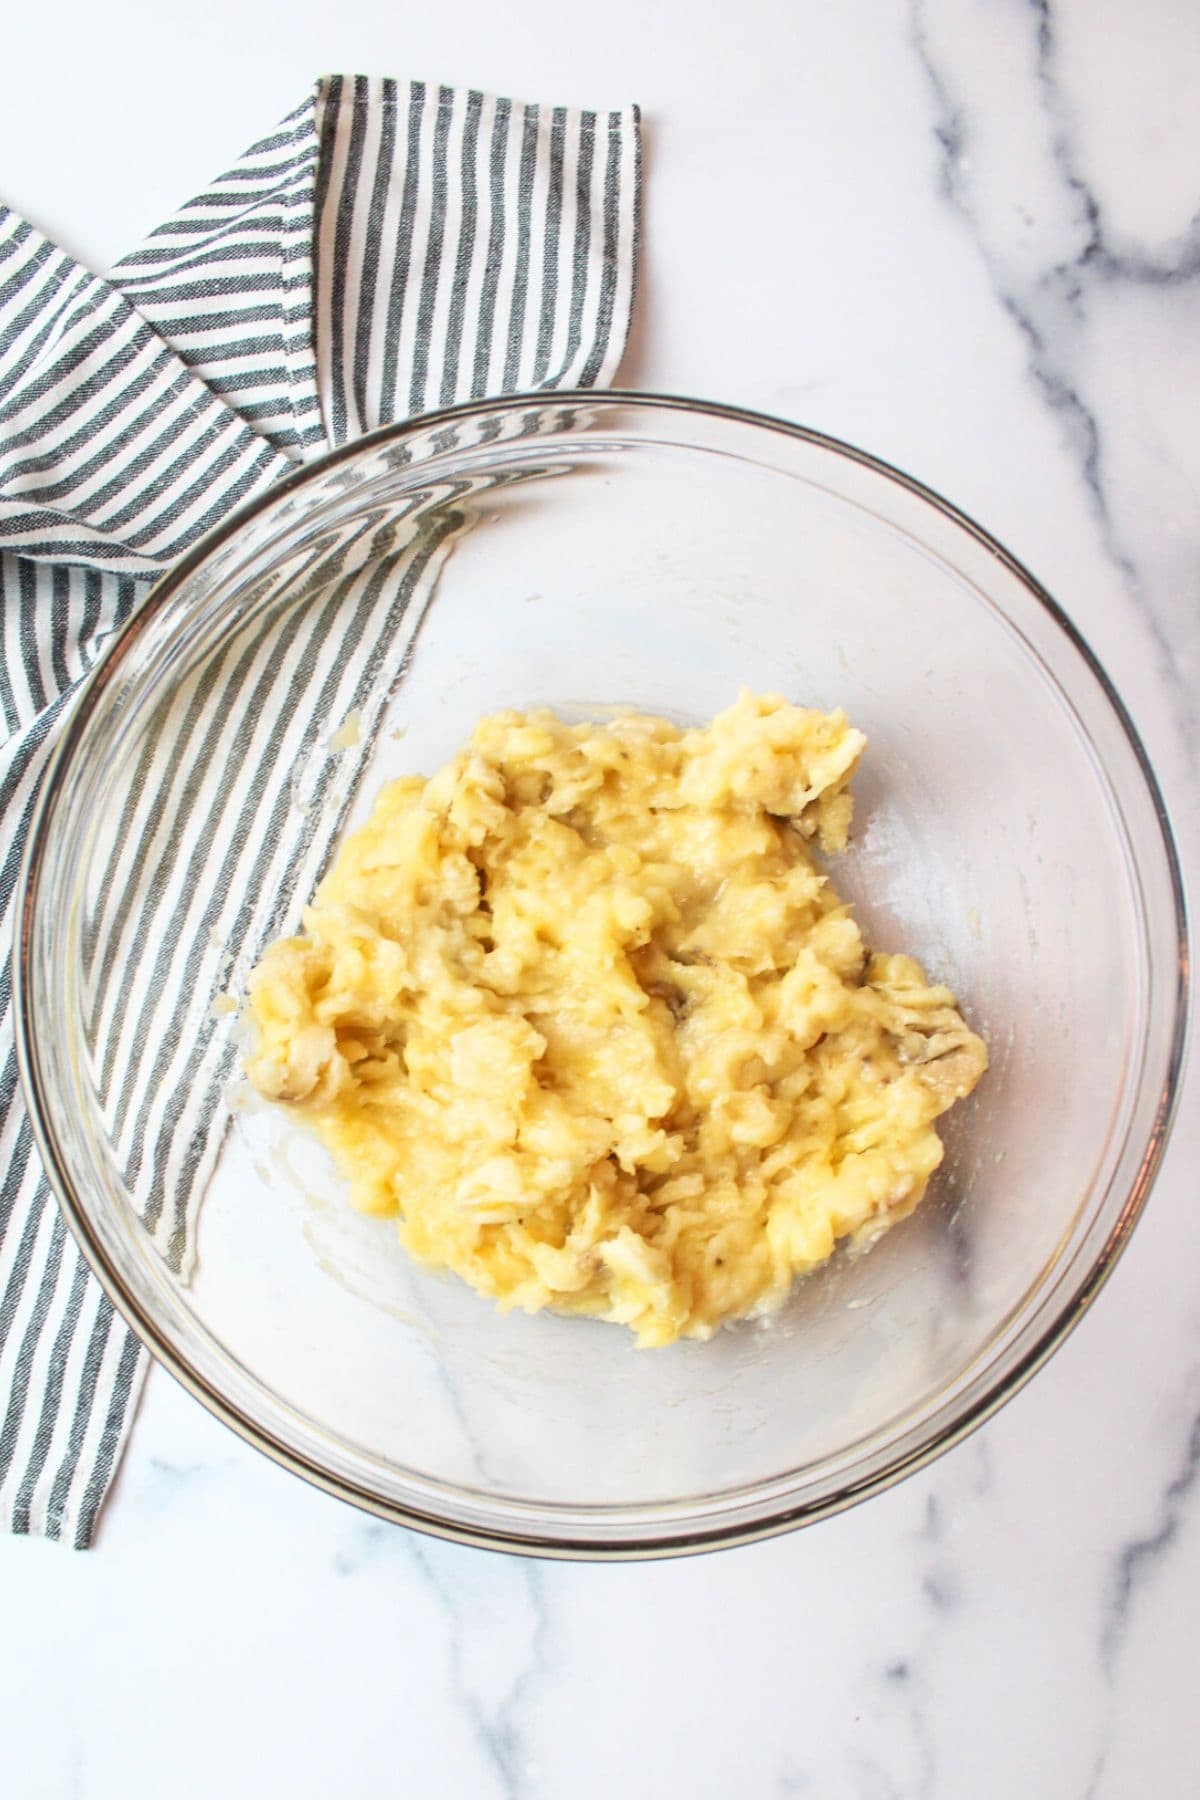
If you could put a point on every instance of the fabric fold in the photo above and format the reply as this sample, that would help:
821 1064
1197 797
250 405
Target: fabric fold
389 249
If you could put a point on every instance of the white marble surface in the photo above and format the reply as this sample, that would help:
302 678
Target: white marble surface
963 233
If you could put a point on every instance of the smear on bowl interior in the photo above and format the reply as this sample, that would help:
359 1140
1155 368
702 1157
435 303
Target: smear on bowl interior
586 1017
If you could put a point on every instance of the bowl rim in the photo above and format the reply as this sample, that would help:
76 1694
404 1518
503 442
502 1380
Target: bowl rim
583 1547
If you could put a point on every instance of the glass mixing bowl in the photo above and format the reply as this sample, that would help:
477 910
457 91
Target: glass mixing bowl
590 553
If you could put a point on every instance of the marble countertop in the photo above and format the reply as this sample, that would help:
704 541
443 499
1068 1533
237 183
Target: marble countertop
964 234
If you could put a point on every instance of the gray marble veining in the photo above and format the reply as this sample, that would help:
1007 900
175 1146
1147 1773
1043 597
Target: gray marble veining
965 233
1041 229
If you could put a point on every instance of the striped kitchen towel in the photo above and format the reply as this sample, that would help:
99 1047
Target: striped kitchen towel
391 248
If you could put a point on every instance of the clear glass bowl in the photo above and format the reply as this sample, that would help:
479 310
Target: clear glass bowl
586 553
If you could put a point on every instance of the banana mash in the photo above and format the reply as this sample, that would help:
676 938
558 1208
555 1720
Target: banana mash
583 1015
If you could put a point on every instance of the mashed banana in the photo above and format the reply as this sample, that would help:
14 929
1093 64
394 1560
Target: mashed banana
582 1014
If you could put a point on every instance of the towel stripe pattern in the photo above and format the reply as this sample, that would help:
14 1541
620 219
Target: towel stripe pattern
391 248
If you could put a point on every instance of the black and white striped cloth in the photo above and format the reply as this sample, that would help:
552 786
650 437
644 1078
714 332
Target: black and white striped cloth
391 248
